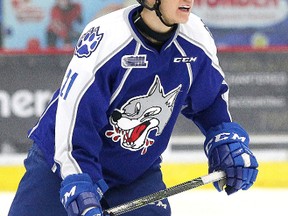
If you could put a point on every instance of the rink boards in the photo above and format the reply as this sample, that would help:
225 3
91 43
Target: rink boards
271 174
184 159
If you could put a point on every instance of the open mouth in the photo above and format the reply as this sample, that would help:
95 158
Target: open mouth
129 136
184 8
136 132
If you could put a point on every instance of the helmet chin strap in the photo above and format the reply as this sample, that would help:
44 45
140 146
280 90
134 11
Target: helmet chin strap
156 8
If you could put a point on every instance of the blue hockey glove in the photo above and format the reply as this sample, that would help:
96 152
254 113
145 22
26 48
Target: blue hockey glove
80 197
226 147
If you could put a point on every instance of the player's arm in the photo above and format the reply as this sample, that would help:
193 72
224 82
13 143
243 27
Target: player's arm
81 115
227 143
78 146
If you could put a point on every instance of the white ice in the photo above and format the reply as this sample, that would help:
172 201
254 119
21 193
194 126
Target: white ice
199 202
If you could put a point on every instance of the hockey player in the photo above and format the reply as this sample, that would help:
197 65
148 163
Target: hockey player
99 142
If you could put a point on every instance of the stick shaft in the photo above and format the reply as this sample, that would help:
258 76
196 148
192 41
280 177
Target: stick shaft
162 194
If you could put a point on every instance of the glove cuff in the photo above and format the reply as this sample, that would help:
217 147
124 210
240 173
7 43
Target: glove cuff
73 185
225 133
101 187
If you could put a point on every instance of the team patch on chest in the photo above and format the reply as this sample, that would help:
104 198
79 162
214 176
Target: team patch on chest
140 115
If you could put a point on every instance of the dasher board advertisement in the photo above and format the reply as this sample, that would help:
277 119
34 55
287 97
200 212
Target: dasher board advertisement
254 23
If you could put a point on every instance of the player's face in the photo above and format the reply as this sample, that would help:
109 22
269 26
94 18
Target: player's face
176 11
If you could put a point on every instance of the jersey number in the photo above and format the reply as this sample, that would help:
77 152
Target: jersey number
70 79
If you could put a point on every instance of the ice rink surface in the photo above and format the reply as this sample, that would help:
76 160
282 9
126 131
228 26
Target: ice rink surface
199 202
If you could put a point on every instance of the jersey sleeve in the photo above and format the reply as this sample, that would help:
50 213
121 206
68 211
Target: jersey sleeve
81 112
207 101
214 114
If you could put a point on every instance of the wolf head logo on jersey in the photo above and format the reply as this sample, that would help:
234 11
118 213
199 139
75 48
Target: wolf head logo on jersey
88 43
135 120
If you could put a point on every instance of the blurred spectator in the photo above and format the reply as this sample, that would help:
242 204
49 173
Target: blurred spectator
64 14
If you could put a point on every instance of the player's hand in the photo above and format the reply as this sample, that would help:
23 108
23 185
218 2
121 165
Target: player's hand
80 197
226 147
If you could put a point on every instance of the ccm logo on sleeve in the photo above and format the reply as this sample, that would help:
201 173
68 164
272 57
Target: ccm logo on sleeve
185 59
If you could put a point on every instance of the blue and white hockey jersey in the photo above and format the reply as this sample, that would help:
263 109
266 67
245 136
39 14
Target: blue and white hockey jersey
119 100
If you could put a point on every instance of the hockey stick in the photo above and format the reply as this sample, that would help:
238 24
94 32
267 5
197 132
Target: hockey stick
162 194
